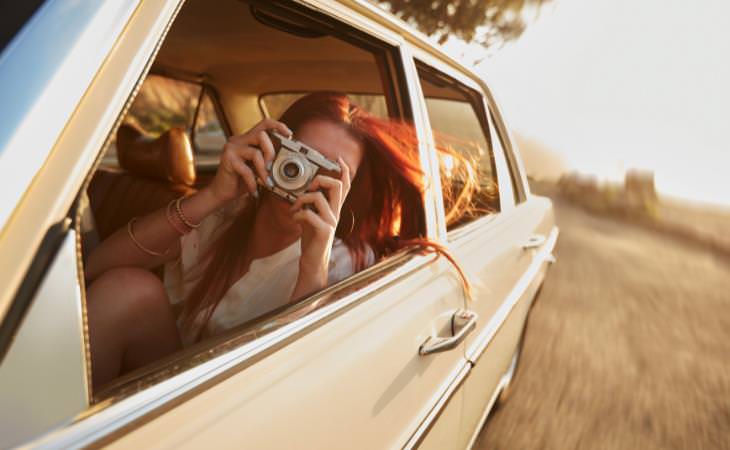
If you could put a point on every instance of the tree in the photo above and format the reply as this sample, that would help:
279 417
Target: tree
484 22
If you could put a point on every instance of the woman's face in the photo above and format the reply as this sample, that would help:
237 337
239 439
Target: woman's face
333 141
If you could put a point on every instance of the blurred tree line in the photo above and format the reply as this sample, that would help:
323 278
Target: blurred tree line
485 22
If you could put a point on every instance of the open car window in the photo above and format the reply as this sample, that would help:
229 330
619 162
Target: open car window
169 142
466 154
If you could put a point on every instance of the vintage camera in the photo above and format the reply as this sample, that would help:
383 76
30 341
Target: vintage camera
295 166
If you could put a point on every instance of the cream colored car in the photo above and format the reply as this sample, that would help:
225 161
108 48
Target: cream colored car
395 356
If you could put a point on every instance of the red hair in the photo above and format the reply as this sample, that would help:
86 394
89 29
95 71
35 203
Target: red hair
383 211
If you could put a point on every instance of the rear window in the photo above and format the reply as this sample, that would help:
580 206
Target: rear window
273 105
164 103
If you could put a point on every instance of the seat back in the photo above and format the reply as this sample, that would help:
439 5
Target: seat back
153 172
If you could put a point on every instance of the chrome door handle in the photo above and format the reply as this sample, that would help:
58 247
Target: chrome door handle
463 322
535 241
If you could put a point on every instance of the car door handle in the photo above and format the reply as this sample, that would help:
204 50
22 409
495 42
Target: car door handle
463 322
535 241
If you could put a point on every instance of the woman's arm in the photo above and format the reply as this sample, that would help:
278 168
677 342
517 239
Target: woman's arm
153 232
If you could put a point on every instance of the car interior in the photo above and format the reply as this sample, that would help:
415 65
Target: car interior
219 71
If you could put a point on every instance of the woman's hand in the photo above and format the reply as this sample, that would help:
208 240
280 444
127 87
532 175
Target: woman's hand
318 212
234 175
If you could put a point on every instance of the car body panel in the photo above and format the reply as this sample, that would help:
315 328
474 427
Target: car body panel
361 367
43 380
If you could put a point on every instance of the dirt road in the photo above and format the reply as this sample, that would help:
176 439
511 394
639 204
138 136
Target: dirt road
627 348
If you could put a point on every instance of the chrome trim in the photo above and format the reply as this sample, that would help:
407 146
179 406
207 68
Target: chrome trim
467 229
485 414
481 342
106 421
428 423
463 320
433 201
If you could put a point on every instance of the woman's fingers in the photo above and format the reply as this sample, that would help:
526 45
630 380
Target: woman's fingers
319 202
311 218
345 177
266 146
333 188
256 158
271 124
251 136
249 179
251 155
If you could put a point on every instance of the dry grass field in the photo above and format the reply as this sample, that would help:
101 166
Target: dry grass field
628 346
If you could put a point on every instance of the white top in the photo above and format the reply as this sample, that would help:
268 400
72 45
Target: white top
268 284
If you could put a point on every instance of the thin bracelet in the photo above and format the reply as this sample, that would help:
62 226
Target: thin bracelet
171 220
137 243
181 216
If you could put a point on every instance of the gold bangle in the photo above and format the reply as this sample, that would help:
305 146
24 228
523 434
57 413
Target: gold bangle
181 216
137 243
171 220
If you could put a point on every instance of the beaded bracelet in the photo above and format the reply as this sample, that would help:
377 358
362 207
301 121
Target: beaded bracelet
130 232
171 220
182 217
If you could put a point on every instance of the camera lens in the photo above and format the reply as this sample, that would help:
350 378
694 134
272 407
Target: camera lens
291 170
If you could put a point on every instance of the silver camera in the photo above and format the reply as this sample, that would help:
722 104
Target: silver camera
295 166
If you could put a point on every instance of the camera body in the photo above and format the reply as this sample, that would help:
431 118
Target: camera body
295 166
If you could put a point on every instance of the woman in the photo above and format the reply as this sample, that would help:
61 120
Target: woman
226 264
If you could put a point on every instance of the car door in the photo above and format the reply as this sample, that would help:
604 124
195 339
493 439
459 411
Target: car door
341 369
496 245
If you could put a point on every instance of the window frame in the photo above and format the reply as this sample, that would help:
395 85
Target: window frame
516 169
114 412
424 61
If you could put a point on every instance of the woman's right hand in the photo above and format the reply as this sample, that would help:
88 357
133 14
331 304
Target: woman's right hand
234 176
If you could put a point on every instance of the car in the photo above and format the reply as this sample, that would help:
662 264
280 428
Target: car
395 356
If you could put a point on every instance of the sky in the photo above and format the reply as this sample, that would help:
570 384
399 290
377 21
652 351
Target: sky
611 85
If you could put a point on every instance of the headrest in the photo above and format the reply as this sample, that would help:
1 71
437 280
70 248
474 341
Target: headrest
169 157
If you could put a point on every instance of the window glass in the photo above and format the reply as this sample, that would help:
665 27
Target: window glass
163 103
209 135
273 105
466 161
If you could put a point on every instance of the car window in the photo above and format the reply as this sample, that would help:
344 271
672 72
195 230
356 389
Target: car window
164 103
168 116
465 150
208 135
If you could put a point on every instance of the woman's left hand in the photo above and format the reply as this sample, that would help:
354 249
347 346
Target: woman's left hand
318 212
